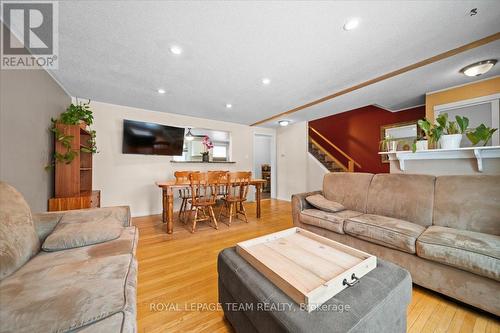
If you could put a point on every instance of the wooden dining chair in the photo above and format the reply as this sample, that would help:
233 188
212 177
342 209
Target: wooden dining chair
204 189
236 194
221 190
184 193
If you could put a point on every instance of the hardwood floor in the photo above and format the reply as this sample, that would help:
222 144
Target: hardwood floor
177 273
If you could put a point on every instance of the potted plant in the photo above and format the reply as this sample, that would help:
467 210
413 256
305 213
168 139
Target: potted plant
452 131
432 133
76 114
207 145
388 144
420 144
481 133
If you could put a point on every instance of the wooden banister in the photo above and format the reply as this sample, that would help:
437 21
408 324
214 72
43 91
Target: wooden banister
351 161
327 153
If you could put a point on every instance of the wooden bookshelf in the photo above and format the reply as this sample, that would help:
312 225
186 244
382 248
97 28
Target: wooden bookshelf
73 182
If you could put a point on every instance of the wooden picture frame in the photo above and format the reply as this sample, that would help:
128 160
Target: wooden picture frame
406 132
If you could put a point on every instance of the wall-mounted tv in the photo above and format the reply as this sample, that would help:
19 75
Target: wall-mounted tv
151 139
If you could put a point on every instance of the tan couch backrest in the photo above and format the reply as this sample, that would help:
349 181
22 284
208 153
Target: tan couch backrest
406 197
468 203
348 188
18 239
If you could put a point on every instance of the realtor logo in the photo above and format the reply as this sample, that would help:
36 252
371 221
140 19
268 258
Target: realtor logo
29 34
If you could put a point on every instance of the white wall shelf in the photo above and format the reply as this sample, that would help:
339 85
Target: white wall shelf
478 153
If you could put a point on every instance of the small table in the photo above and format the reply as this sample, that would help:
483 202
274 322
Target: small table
169 186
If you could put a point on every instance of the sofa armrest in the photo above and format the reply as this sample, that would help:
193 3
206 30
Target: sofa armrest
299 204
45 223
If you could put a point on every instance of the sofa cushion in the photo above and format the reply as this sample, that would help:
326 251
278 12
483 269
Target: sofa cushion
468 203
67 290
387 231
326 220
120 214
475 252
347 188
18 238
71 235
402 196
320 202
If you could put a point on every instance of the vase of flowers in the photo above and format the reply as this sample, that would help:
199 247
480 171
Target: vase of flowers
207 145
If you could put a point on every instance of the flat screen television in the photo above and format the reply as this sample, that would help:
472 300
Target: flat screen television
151 139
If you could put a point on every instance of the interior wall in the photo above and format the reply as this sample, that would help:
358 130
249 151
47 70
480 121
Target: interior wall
291 142
262 153
28 99
357 133
130 179
476 89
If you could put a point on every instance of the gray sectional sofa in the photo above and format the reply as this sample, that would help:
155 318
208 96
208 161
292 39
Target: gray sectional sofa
445 230
72 271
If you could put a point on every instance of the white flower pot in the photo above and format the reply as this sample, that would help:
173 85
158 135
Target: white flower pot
422 145
392 146
450 141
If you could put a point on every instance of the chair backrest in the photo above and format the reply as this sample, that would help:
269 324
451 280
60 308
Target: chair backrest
205 185
183 176
238 183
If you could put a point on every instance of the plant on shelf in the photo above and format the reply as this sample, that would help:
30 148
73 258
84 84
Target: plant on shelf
76 114
431 131
452 131
207 145
389 143
481 133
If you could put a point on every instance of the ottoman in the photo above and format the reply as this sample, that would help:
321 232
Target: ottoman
251 303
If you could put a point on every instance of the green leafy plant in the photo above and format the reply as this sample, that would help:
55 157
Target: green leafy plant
384 144
75 113
481 133
432 132
463 123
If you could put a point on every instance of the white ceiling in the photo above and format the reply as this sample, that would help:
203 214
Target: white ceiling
118 52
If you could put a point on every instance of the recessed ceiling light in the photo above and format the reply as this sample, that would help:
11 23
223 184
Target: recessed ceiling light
161 91
351 24
266 81
175 49
284 123
478 68
228 106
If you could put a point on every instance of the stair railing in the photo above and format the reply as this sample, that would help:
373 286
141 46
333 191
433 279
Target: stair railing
351 163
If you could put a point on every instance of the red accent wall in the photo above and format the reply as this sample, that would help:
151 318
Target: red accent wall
357 132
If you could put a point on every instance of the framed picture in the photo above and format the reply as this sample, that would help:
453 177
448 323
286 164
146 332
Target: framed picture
405 133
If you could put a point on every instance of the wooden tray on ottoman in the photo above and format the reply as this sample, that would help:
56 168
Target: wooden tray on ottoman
307 267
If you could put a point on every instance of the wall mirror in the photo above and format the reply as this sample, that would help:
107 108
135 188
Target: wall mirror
404 134
194 147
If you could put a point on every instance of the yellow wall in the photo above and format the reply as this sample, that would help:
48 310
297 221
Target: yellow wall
472 90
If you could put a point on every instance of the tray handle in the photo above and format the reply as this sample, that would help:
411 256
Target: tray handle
354 279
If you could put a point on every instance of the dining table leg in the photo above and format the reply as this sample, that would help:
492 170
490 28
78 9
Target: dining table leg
164 205
170 211
258 193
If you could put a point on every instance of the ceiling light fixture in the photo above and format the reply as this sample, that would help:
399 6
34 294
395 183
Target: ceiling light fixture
478 68
176 49
228 106
266 81
284 123
351 24
161 91
189 136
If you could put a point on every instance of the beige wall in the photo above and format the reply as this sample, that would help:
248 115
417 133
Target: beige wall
129 179
291 142
476 89
28 99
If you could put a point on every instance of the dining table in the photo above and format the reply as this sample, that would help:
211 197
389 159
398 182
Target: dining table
169 186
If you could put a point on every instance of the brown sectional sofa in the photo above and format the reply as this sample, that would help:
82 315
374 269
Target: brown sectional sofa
445 230
84 279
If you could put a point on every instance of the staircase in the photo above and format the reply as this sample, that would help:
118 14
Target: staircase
326 158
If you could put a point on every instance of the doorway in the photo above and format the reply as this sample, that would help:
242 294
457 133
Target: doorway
264 163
